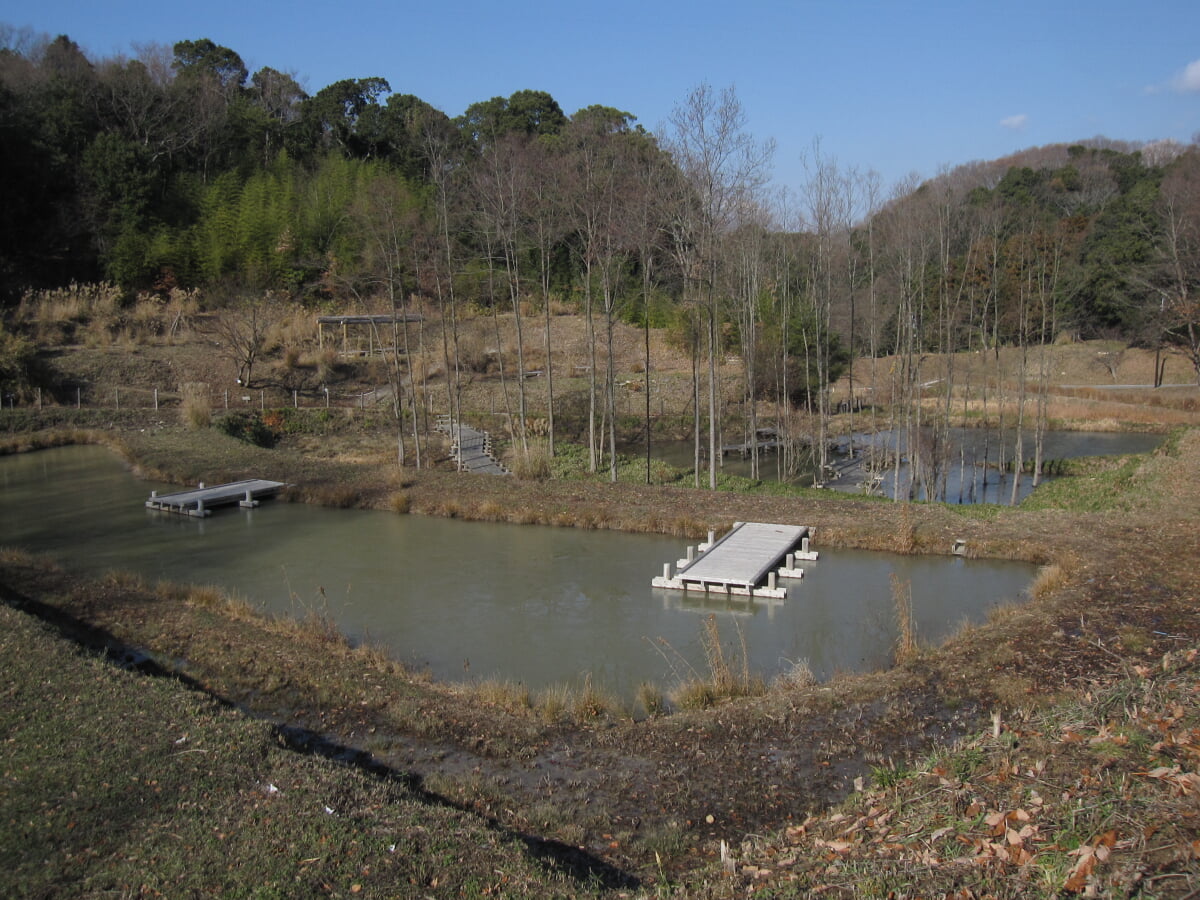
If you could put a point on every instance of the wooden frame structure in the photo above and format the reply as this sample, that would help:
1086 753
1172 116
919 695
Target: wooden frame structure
373 322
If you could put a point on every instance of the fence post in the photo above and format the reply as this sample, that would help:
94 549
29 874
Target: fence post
156 398
78 395
262 401
295 398
117 395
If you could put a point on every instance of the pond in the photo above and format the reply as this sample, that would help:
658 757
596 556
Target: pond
972 475
465 600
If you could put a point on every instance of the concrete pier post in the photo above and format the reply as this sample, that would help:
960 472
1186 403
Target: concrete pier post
804 545
791 560
771 579
667 571
712 538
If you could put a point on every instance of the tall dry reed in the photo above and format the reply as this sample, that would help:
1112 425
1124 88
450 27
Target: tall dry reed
195 408
906 642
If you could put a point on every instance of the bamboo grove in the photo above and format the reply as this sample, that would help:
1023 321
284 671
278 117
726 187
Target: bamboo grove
179 168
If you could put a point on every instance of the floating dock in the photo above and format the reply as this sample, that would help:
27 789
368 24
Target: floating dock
745 562
200 501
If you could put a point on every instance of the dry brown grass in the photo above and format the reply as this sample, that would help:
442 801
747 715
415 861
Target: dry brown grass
74 303
215 599
489 511
1049 579
504 693
652 699
334 496
728 675
195 407
906 641
532 464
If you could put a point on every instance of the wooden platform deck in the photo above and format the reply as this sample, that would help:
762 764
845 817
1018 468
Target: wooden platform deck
740 562
201 500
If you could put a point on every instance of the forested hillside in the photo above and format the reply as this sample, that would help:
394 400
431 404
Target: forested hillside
180 168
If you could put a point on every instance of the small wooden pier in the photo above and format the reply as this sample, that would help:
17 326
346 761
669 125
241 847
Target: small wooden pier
740 562
766 440
199 502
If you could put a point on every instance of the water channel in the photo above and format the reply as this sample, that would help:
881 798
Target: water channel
466 600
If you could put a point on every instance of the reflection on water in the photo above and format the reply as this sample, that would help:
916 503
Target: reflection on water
535 604
970 474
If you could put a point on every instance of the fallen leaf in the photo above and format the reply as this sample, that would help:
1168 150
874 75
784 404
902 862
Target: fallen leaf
835 846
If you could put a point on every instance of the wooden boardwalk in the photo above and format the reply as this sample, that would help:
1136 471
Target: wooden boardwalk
741 561
200 501
767 441
472 449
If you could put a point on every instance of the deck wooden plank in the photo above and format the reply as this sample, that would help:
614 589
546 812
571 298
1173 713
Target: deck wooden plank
199 500
745 555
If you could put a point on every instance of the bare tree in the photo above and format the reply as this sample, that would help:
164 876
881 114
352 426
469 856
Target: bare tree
504 196
546 225
1179 213
240 326
725 167
388 220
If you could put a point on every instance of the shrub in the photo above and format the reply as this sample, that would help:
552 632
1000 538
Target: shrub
17 356
248 427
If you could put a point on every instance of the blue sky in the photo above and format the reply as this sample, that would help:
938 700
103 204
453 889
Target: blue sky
894 87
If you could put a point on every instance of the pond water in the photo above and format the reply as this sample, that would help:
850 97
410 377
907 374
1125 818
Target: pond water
466 600
972 476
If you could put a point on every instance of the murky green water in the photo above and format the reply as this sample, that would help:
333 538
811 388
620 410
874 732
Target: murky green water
534 604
